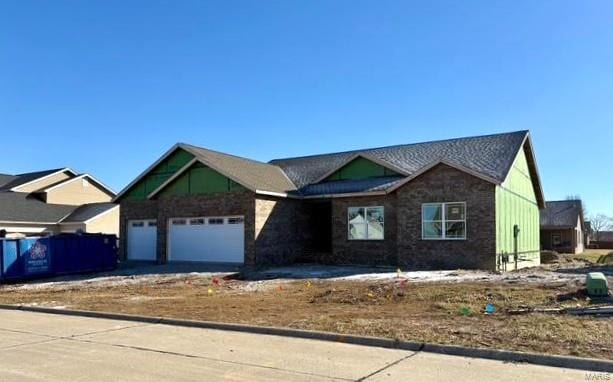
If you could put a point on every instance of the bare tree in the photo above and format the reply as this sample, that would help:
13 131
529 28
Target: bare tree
599 223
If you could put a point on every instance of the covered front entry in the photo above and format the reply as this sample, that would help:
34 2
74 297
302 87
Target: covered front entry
208 238
142 240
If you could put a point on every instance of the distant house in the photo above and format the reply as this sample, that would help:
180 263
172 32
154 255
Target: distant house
602 240
588 235
55 201
459 203
563 226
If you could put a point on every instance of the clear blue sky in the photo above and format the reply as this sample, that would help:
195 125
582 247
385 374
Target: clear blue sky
107 86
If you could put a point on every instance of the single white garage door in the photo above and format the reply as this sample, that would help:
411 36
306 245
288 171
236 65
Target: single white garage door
142 240
214 239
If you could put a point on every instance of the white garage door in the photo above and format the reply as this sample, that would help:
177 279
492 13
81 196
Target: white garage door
215 239
142 239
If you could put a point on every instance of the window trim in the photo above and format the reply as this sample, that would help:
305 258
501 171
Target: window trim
349 238
444 221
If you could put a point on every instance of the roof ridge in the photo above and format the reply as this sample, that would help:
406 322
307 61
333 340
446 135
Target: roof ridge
34 172
401 145
226 154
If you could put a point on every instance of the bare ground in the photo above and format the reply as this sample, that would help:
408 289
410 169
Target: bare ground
440 310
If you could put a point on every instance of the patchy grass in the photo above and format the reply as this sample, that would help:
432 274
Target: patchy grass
447 313
597 256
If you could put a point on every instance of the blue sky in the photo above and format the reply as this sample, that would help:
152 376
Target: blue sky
107 86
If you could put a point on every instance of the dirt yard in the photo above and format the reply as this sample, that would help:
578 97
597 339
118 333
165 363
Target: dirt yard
597 256
439 307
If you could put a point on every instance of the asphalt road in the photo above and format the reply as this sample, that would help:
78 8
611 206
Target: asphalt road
47 347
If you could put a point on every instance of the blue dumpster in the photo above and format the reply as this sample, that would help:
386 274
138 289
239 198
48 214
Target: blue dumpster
56 255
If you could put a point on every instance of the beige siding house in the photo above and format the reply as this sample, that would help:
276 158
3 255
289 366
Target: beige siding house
56 201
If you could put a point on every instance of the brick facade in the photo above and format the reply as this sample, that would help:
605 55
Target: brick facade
281 230
278 230
163 209
446 184
371 252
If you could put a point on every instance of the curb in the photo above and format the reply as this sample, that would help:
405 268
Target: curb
569 362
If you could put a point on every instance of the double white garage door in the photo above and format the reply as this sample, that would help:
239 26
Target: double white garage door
207 239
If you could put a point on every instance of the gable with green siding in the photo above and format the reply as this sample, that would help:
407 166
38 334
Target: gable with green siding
200 179
361 168
516 205
158 175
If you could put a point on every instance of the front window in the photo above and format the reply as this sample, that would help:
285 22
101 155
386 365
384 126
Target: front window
443 221
366 223
556 239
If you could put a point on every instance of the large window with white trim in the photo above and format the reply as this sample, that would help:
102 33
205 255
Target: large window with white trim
443 221
366 223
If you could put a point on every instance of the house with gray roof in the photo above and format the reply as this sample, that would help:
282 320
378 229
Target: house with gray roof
563 226
469 202
603 240
55 201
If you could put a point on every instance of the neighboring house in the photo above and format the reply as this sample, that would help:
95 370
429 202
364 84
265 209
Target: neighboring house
587 238
55 201
603 240
563 226
459 203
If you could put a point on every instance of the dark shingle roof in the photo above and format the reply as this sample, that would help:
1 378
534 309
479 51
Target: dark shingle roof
6 178
20 179
605 236
563 213
21 207
490 156
252 174
88 211
350 186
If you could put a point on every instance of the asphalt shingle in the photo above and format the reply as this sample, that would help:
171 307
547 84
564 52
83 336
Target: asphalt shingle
350 186
88 211
490 156
20 179
6 178
562 214
22 207
252 174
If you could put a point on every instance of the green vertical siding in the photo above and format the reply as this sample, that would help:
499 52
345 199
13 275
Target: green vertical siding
361 168
200 179
159 175
516 204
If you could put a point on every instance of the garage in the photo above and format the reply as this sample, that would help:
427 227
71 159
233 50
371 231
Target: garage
218 239
142 240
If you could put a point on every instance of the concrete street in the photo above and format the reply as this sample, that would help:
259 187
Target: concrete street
47 347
